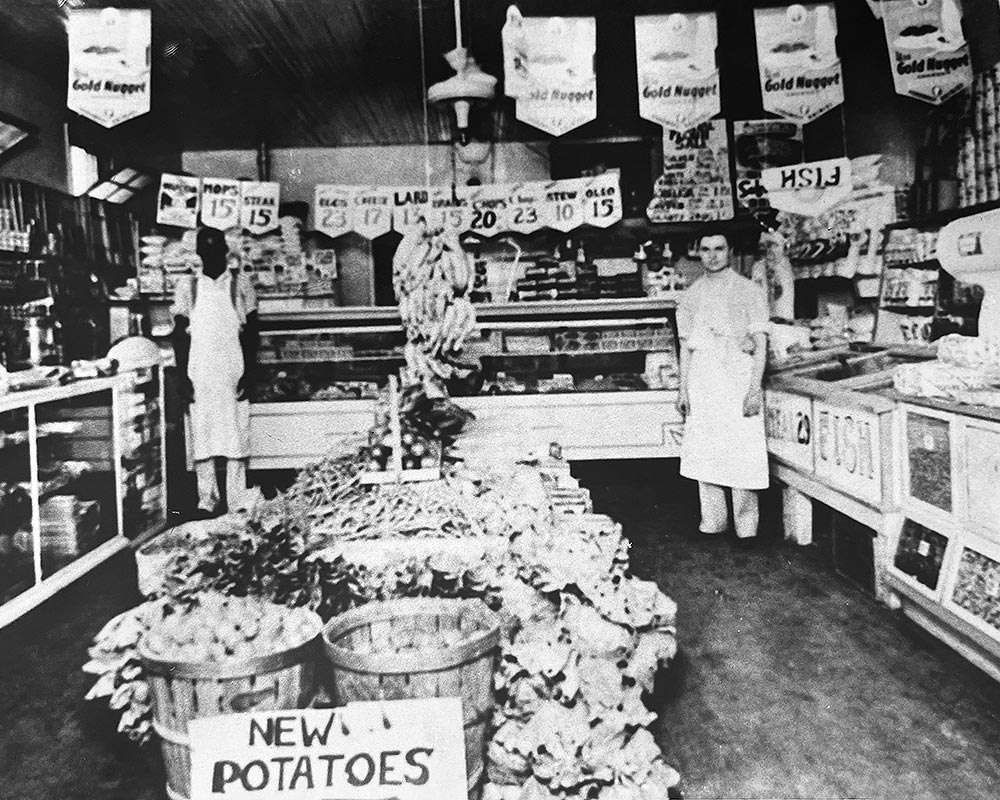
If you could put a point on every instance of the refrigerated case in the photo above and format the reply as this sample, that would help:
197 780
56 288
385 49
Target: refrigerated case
599 376
83 474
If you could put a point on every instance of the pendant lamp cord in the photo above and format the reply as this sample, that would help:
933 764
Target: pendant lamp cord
458 23
423 85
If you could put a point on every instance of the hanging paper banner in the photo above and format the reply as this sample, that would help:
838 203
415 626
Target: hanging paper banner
372 211
678 76
800 76
759 145
601 201
220 203
811 188
696 185
177 203
334 210
448 209
109 64
488 212
563 207
409 207
927 49
550 69
523 205
259 206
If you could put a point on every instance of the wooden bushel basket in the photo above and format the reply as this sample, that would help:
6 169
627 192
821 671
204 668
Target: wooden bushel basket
184 691
386 651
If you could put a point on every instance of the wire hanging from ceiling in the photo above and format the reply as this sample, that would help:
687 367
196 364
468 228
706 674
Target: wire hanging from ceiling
423 96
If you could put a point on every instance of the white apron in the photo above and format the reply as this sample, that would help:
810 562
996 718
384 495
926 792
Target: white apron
220 424
720 445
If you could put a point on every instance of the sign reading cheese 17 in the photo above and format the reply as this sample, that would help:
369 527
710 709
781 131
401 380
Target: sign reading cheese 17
847 450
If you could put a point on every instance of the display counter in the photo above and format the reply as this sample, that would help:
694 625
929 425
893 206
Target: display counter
83 473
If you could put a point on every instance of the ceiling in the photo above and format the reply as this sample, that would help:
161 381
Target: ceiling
231 73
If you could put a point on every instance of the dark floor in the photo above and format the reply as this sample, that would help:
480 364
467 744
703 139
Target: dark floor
791 683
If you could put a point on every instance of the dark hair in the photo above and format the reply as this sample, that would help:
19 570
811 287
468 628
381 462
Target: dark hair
730 239
210 238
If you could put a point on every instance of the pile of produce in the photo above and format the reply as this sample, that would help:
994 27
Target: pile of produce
431 274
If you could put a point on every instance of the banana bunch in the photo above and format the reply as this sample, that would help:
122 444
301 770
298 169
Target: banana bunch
431 273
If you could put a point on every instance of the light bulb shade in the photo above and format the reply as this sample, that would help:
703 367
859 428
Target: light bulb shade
470 83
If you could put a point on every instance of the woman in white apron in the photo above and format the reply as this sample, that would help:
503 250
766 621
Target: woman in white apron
722 322
215 309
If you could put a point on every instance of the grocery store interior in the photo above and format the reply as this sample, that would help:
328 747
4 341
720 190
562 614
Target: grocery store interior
628 370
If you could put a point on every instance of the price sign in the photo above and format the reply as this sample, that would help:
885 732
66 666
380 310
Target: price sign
220 203
409 207
524 208
177 203
788 422
488 209
259 206
404 749
562 209
847 450
372 211
809 189
449 209
601 203
334 210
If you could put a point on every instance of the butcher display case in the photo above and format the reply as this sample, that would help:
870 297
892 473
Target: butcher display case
82 475
600 376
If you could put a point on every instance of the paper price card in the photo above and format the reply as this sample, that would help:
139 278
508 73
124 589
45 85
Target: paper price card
601 201
678 76
800 76
809 189
695 184
220 203
409 207
488 211
259 206
759 145
334 210
562 209
109 64
927 49
177 203
448 209
524 208
550 65
403 749
372 211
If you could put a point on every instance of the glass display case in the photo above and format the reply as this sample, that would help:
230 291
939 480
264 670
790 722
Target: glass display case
70 462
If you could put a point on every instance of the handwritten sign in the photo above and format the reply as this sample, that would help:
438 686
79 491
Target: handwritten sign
927 49
177 202
800 77
220 203
847 450
678 75
695 185
259 205
601 201
759 145
404 749
109 64
788 423
488 209
334 210
811 188
373 211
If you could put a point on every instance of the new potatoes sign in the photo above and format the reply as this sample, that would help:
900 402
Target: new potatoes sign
404 749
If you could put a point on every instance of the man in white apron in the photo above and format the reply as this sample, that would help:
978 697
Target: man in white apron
215 343
720 396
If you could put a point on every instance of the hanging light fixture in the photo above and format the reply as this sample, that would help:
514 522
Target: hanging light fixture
468 85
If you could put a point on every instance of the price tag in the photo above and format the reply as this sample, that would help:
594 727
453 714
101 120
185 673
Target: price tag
488 212
372 211
523 208
563 206
924 548
601 204
259 206
177 203
410 206
448 209
220 203
334 210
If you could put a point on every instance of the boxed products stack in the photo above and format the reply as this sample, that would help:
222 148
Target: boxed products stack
979 152
69 527
547 280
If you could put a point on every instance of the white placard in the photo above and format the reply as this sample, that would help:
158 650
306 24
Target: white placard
333 210
448 209
404 749
488 209
696 184
524 202
409 207
809 189
563 206
177 202
373 211
601 201
800 77
677 71
847 450
259 206
109 64
220 203
789 426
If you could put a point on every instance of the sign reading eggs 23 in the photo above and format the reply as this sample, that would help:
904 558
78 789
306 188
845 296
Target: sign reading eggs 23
788 422
847 451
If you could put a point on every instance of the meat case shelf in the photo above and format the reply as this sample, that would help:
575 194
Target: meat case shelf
82 475
600 377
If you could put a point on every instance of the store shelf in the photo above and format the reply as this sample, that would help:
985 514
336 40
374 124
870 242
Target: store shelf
735 225
931 265
902 308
